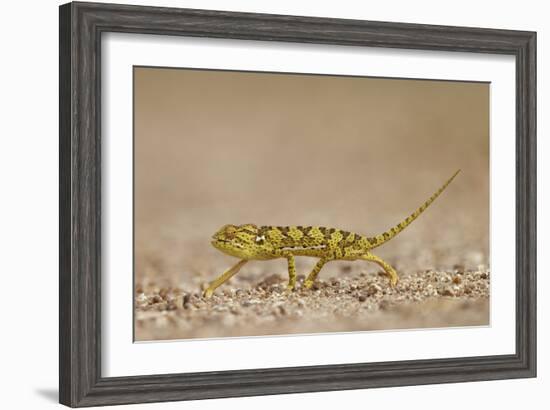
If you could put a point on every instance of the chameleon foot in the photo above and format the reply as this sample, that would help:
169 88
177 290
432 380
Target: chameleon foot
289 288
387 268
308 284
393 281
223 278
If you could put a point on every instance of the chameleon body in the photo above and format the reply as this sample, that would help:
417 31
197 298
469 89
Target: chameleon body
250 242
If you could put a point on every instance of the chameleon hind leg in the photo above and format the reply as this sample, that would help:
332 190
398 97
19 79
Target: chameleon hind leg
384 265
308 283
223 278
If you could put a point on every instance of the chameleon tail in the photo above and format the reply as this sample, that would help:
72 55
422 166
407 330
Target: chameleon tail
386 236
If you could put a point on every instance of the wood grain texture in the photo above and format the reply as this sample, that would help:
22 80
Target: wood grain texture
81 26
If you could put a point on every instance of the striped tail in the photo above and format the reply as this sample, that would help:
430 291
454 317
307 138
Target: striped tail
386 236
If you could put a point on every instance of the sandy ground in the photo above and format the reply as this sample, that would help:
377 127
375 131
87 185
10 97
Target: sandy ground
351 153
339 304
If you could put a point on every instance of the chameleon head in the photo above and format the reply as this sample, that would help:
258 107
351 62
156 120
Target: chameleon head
242 241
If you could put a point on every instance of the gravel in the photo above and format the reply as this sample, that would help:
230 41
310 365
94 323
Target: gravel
362 302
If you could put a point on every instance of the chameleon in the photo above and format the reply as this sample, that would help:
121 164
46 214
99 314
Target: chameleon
251 242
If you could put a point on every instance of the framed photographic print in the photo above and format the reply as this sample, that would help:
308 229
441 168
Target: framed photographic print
260 204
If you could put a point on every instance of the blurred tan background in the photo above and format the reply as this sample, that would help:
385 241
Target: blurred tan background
218 147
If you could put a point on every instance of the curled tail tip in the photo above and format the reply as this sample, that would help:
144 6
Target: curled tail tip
386 236
452 177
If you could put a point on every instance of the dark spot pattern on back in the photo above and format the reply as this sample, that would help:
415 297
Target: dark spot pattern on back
342 243
283 230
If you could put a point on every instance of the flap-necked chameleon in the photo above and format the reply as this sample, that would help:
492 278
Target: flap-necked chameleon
251 242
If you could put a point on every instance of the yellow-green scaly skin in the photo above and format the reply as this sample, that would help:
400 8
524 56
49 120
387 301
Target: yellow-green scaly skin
250 242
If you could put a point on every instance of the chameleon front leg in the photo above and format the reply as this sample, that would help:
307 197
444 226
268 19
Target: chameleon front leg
223 278
308 283
291 270
387 267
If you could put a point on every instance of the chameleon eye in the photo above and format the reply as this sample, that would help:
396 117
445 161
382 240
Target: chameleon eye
260 239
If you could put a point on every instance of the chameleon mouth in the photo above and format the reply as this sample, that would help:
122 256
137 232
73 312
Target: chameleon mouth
218 241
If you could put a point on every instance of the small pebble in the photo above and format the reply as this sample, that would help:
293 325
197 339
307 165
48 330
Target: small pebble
384 305
373 290
446 292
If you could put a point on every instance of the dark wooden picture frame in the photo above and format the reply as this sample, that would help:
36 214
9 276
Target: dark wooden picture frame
81 27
